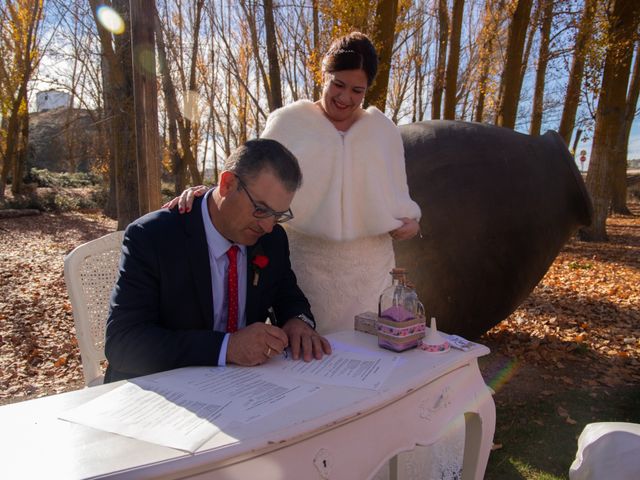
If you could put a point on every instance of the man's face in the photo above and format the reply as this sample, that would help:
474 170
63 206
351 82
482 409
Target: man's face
237 222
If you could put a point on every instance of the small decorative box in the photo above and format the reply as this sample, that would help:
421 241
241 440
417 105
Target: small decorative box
366 322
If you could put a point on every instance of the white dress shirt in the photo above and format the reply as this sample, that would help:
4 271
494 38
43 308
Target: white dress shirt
219 262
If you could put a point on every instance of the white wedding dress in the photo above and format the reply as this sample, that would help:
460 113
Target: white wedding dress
341 279
354 193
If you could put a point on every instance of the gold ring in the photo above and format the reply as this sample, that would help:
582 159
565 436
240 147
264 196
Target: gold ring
269 352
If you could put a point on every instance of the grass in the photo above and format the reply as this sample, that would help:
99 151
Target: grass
540 444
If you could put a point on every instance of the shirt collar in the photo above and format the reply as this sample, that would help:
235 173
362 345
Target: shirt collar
218 244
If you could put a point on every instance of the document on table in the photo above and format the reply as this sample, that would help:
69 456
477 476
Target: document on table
344 367
250 393
183 408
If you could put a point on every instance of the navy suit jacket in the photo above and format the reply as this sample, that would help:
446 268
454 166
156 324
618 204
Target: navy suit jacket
161 312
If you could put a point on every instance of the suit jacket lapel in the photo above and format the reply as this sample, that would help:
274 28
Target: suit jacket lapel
199 259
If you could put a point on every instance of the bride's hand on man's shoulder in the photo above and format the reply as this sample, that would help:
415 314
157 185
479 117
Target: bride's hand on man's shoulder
185 200
409 229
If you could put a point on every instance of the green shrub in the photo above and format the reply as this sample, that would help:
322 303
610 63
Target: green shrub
49 199
20 202
46 178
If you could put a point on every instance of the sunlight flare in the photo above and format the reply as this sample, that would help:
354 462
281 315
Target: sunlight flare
504 375
146 59
110 19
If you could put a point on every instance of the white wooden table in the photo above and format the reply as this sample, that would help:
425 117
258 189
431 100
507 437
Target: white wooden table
338 433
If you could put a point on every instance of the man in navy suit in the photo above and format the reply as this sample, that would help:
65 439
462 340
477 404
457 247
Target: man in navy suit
196 289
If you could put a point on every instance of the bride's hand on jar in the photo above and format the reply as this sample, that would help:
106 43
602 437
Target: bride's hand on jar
409 229
185 200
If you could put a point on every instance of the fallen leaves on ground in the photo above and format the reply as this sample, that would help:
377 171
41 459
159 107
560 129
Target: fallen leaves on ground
38 349
580 324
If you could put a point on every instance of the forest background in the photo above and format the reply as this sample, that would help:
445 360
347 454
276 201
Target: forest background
174 86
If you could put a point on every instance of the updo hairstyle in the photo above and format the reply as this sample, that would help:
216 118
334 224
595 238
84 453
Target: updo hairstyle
352 52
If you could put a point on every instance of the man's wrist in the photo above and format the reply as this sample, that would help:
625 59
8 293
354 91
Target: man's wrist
307 320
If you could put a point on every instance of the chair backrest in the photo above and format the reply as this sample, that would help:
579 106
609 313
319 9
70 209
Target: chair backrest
90 272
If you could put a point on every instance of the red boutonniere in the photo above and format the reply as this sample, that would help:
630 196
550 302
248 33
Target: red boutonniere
258 262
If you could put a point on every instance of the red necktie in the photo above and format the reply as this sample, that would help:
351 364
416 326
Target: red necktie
232 289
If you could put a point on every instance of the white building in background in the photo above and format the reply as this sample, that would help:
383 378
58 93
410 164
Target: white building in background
50 99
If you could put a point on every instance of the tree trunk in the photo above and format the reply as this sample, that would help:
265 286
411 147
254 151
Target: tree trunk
443 40
19 167
120 78
12 139
125 126
510 81
250 13
419 60
609 129
619 167
317 89
18 109
177 162
487 37
451 82
383 37
533 26
541 71
26 63
173 112
227 110
572 97
111 207
145 95
536 5
193 89
272 54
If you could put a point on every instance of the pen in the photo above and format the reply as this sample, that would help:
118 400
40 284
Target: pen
274 321
272 316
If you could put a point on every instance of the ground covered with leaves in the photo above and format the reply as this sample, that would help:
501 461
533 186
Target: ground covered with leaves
38 351
570 355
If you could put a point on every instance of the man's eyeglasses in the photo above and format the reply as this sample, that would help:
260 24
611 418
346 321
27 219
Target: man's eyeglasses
260 211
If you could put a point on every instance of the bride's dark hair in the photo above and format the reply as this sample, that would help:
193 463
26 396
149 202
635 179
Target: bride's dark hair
352 52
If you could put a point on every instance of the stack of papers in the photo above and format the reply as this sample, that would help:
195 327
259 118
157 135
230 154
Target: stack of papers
184 408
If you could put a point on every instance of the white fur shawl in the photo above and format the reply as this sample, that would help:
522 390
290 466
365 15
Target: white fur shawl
354 183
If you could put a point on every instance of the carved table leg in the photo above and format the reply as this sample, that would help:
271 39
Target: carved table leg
480 427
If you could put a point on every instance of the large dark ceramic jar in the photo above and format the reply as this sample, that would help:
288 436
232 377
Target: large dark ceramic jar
497 206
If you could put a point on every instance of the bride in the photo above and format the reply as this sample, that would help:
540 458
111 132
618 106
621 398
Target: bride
354 202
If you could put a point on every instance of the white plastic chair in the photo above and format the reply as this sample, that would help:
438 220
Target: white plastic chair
607 450
90 272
